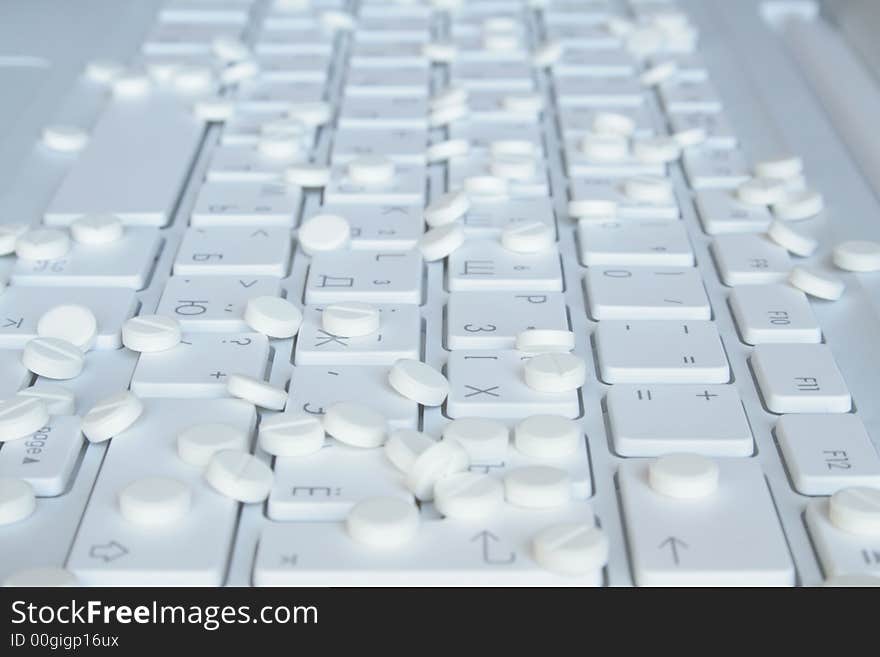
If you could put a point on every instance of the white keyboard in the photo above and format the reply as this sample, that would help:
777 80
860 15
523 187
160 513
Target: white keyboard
626 234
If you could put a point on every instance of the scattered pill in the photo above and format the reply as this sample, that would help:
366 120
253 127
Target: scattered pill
97 229
613 123
291 434
531 236
21 416
791 240
816 284
547 54
53 358
537 487
418 381
468 495
240 476
155 501
683 475
71 322
783 168
404 446
273 316
197 444
324 232
58 399
443 116
350 319
658 73
449 97
447 209
150 333
543 341
439 242
483 439
856 510
857 255
259 393
383 522
111 416
648 189
436 462
691 136
17 500
547 436
555 372
799 204
42 244
762 191
355 424
571 549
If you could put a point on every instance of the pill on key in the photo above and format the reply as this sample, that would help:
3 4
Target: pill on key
447 209
613 123
543 341
547 436
438 461
762 191
97 229
785 168
468 495
547 54
648 189
58 399
150 333
856 510
658 73
155 501
537 487
259 393
22 416
404 446
530 236
792 240
44 577
240 476
383 522
111 416
857 255
798 205
350 319
418 381
197 444
42 244
440 242
53 358
71 322
816 283
355 424
324 232
555 372
686 476
291 434
273 316
483 439
17 500
571 549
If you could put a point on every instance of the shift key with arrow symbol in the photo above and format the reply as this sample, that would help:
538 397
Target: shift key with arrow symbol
109 551
491 551
674 546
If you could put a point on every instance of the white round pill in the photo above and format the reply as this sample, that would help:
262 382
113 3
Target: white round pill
48 576
791 240
439 242
443 116
762 191
71 322
513 167
22 416
197 444
350 319
239 475
543 341
450 97
313 114
441 52
784 168
648 189
483 439
53 358
291 434
155 501
404 446
613 123
383 522
42 244
691 136
547 436
537 487
324 232
816 284
857 255
685 476
491 186
660 72
437 461
468 495
97 229
856 510
149 333
656 150
418 381
17 500
9 234
259 393
65 138
605 147
355 424
555 372
571 549
547 54
447 209
58 399
447 149
111 416
799 204
307 175
273 316
530 236
371 171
